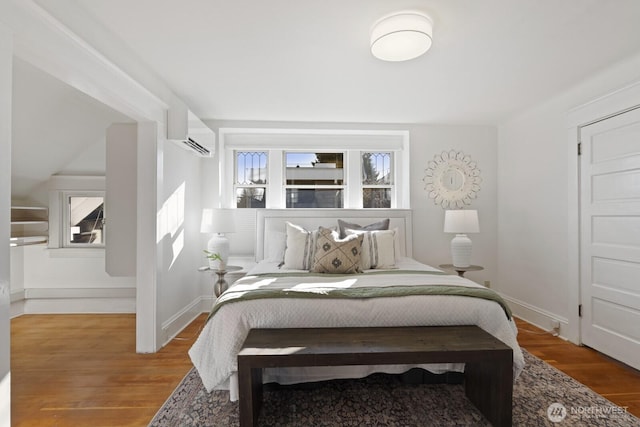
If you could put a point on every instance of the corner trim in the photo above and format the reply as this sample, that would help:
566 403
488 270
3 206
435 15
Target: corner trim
535 315
181 320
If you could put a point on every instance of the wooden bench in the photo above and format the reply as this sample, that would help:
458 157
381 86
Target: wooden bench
488 369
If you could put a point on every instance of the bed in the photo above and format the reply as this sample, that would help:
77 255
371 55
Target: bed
387 288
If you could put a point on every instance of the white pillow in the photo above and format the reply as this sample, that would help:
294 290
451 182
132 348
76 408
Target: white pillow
378 248
400 249
276 242
300 247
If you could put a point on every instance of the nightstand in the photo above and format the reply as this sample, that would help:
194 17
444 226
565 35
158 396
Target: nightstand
461 270
221 285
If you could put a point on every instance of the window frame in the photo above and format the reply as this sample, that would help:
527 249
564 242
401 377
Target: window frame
286 186
65 241
391 186
237 186
351 142
80 184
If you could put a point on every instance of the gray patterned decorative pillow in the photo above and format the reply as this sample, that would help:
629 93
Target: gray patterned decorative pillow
333 255
380 225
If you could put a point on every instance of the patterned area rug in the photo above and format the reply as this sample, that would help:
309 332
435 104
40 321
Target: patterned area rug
542 396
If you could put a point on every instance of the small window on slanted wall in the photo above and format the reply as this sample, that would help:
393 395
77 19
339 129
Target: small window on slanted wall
377 179
251 179
84 220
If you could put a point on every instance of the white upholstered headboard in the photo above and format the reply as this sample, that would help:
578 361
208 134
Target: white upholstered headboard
274 220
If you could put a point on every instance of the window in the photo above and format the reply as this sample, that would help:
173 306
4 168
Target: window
314 180
377 179
251 179
83 220
314 168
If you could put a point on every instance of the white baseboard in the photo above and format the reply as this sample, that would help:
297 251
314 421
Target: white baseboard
18 295
74 300
206 303
17 303
534 315
181 320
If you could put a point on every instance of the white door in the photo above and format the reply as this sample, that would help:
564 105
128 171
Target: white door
610 237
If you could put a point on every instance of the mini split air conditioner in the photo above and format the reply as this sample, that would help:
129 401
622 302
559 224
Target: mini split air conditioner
189 132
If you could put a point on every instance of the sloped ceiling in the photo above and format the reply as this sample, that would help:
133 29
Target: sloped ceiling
55 130
302 60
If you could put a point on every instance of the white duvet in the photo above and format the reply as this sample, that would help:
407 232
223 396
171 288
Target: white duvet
215 351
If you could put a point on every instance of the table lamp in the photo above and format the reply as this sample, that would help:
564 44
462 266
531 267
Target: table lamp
218 222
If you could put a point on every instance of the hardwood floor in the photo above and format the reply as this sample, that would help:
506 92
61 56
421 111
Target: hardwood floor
617 382
82 370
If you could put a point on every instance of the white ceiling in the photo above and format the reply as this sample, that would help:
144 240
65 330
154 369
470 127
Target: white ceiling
302 60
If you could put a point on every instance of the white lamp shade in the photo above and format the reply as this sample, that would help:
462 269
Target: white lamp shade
461 221
401 36
218 221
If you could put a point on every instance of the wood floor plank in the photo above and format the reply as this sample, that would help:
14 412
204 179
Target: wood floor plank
82 370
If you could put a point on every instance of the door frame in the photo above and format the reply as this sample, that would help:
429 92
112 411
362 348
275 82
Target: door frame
612 104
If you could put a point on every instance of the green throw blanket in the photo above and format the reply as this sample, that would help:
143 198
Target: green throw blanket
328 286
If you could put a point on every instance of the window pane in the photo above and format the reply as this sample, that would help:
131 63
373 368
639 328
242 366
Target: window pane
376 197
86 220
376 169
250 197
314 168
251 167
312 198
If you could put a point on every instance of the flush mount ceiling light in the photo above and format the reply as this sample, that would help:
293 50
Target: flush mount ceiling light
401 36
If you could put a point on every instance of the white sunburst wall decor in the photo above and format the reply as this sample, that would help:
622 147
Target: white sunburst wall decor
452 179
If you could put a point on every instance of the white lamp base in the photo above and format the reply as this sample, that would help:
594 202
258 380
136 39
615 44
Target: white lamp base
461 250
218 244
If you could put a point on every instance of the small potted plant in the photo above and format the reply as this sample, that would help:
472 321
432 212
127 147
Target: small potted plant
215 260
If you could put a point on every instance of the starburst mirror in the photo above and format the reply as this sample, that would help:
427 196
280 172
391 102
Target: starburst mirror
452 179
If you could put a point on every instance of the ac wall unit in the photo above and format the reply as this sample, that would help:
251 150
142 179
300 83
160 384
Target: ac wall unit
195 146
189 132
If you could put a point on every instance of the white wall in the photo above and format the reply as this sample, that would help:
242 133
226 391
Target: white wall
431 244
179 239
90 161
6 52
17 281
68 281
533 158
